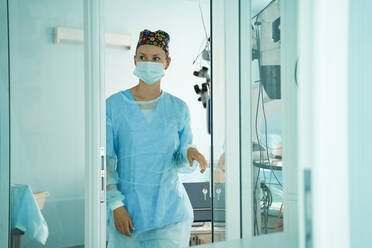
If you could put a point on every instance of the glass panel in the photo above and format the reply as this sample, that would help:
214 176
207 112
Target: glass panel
219 142
188 72
47 123
266 118
219 120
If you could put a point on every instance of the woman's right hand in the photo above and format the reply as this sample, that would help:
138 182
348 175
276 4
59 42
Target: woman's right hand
123 222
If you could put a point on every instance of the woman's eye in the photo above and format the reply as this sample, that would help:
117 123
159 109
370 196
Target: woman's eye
156 58
142 57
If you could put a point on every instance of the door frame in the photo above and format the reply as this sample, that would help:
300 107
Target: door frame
232 116
289 60
245 56
95 168
4 126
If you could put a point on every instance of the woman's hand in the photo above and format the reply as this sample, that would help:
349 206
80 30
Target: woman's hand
221 162
123 221
194 154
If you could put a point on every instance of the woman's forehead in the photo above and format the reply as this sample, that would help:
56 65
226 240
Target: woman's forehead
150 50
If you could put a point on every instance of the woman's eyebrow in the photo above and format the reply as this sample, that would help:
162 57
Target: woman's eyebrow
140 53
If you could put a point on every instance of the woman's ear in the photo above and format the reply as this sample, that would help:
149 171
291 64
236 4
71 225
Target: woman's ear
134 59
167 63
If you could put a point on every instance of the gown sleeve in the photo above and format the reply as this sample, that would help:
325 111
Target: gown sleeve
185 137
114 197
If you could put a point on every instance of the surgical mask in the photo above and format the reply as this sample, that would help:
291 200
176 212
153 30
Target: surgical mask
149 72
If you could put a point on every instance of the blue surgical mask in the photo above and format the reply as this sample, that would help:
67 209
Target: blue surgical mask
149 72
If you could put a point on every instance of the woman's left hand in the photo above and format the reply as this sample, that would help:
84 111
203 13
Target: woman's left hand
194 154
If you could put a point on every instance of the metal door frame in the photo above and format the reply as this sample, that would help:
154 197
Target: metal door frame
4 126
95 184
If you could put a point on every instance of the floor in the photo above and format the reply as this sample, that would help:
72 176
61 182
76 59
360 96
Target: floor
205 237
277 240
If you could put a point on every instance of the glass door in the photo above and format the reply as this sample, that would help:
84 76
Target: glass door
56 124
254 107
225 118
273 111
266 118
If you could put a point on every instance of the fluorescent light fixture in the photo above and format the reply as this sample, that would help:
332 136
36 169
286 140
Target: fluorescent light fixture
63 34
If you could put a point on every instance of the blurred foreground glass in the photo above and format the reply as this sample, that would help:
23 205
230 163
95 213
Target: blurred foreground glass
47 124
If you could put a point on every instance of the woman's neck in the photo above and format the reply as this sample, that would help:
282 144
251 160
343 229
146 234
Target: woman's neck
146 92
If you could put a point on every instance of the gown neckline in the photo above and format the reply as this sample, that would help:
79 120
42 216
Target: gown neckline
127 93
128 97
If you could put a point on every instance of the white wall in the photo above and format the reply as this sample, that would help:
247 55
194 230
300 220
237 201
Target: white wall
323 97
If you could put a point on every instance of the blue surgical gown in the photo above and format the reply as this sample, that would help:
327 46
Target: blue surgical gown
26 215
146 156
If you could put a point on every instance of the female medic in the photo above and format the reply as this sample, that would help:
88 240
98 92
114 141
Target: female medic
148 142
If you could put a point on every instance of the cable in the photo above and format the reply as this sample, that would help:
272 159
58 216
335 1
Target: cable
267 150
278 220
263 9
267 200
262 102
267 196
200 51
202 17
256 229
206 40
265 122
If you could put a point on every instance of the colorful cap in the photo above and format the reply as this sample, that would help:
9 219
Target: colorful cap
158 38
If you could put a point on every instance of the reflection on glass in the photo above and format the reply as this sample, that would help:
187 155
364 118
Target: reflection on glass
141 135
47 125
266 118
